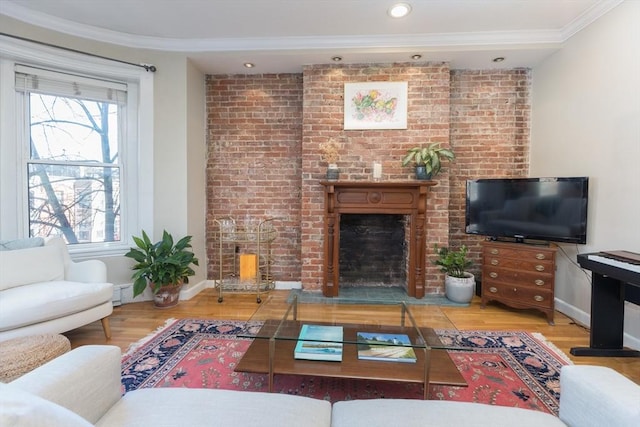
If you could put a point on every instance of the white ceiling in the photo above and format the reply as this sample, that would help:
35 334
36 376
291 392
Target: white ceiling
284 35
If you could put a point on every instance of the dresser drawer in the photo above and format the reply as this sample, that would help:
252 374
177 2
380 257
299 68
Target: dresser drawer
518 277
520 264
521 295
525 253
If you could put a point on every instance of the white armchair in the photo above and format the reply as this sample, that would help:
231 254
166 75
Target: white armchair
43 291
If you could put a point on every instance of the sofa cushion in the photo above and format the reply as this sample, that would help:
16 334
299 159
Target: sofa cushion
432 413
33 265
200 407
39 302
12 245
581 386
21 408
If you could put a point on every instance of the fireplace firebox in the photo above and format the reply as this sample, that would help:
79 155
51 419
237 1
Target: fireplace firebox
372 250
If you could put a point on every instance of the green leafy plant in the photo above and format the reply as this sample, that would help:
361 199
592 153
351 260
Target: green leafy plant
453 263
162 263
430 157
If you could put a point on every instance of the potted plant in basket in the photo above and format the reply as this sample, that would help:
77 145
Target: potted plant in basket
330 154
459 284
163 265
427 160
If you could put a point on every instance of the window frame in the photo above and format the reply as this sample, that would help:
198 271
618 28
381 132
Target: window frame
137 151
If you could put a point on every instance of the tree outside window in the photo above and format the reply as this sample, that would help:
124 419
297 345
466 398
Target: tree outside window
73 168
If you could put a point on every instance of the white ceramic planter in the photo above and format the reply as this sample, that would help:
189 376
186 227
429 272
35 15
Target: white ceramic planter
460 289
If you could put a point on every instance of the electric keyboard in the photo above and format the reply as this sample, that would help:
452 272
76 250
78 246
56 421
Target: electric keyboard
615 262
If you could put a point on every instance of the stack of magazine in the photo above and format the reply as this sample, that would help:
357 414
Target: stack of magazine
319 342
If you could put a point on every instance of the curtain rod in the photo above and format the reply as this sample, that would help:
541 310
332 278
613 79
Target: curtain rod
147 67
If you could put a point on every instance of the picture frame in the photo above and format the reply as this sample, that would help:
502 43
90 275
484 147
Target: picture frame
375 105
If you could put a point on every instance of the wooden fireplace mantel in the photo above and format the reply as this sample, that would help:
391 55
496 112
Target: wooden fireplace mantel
369 197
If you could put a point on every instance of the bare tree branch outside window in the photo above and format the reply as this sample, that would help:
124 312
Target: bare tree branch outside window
74 175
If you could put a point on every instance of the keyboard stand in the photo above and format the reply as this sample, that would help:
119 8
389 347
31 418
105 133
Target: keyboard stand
607 308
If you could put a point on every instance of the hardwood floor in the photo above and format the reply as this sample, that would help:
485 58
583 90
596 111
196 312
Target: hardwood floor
132 322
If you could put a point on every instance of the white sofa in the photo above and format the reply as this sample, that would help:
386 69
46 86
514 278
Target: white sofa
83 388
43 291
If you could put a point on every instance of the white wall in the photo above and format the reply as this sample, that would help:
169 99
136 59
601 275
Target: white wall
196 166
586 122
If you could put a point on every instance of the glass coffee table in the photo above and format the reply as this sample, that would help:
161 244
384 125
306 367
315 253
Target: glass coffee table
363 325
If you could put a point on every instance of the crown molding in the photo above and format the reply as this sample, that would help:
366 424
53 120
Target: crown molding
588 17
441 40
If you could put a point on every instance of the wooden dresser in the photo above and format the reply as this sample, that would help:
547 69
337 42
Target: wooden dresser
519 275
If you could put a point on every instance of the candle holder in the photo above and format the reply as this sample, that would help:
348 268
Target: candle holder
377 171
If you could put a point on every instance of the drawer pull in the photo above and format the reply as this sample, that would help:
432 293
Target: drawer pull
539 267
493 274
495 251
493 289
539 282
538 298
540 256
494 262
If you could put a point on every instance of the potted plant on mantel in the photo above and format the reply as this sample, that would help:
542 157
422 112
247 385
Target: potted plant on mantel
459 284
330 154
427 160
163 265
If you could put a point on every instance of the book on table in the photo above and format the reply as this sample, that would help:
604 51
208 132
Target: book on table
319 342
385 347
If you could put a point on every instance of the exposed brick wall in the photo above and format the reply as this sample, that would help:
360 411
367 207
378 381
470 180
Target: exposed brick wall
490 133
254 134
264 133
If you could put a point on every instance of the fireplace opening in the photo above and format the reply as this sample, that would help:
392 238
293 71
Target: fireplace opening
373 250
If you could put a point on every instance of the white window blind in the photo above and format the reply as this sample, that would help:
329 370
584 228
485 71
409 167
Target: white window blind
30 79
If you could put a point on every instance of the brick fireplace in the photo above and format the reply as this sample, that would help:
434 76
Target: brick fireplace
428 122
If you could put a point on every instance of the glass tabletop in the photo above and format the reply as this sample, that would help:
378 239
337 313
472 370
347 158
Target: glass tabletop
380 323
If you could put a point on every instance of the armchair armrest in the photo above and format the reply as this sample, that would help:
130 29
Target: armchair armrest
86 380
592 396
90 271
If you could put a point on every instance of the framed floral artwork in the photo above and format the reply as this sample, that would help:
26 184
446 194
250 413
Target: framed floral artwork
375 105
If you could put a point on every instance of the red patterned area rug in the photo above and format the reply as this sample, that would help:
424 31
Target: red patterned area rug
516 369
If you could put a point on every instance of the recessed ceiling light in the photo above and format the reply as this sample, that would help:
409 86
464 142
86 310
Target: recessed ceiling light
498 59
399 10
336 58
416 56
249 65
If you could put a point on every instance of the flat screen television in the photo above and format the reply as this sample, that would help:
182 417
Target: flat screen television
546 209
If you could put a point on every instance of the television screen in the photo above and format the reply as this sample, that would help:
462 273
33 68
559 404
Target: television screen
550 209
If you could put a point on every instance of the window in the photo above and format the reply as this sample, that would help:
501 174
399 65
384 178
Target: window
72 149
73 134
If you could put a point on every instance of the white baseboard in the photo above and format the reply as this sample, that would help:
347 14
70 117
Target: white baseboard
584 319
576 314
190 290
288 285
123 293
